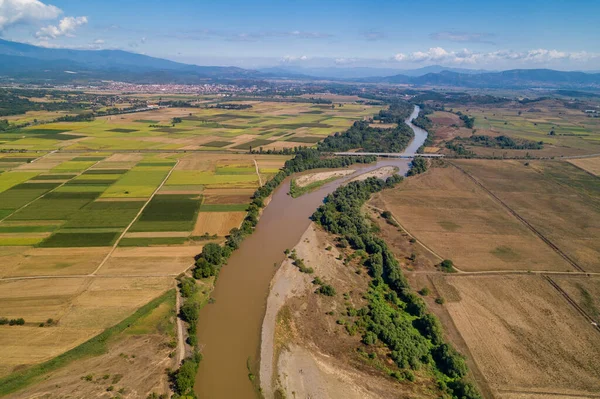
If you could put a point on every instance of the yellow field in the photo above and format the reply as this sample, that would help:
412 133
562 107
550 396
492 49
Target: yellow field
80 307
523 335
461 222
591 165
219 223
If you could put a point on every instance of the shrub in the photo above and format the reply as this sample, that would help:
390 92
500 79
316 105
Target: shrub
326 290
447 266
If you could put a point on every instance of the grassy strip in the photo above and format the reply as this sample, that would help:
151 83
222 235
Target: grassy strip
296 191
93 347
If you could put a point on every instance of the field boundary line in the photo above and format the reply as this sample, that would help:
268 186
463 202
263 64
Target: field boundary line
43 156
258 173
410 235
48 192
557 394
520 218
573 303
583 170
512 272
65 276
114 247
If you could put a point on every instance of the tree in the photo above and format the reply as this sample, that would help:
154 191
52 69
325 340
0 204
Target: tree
190 311
185 377
447 265
212 253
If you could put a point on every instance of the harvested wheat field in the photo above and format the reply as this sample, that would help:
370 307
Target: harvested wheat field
151 261
219 223
459 221
524 336
559 200
27 261
591 165
80 308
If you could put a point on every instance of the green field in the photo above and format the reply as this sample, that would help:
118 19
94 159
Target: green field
168 213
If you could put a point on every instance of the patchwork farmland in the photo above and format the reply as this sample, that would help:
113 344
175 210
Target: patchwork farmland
97 218
87 238
267 125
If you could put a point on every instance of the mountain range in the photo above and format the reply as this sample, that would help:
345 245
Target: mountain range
28 63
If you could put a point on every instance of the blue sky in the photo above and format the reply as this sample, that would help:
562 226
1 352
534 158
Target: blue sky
394 34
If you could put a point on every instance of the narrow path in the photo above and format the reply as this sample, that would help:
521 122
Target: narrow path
47 192
572 302
114 247
507 272
43 156
431 251
258 173
180 342
521 219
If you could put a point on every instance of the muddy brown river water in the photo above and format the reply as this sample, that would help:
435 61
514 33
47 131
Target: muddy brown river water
229 329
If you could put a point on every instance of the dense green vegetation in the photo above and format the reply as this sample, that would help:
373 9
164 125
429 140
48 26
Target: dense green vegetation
468 121
503 142
419 165
93 347
395 316
183 378
397 112
296 190
362 136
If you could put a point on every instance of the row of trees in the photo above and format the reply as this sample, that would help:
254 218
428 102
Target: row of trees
395 315
183 379
12 322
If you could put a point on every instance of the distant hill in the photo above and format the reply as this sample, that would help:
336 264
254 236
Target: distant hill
346 73
26 62
516 78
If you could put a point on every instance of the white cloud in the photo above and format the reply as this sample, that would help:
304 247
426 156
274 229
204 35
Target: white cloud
465 56
462 37
66 27
98 41
14 12
293 58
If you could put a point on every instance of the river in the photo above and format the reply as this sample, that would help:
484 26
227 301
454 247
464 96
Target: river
229 329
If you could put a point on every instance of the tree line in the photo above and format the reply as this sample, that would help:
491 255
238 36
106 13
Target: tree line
395 315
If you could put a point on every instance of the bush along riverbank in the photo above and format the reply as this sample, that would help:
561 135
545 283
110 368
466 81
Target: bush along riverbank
395 317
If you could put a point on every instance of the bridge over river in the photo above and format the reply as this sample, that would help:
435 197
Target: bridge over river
390 154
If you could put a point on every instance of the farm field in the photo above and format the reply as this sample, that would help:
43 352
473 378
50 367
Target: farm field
87 238
556 198
459 221
591 165
80 307
527 340
574 132
267 125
